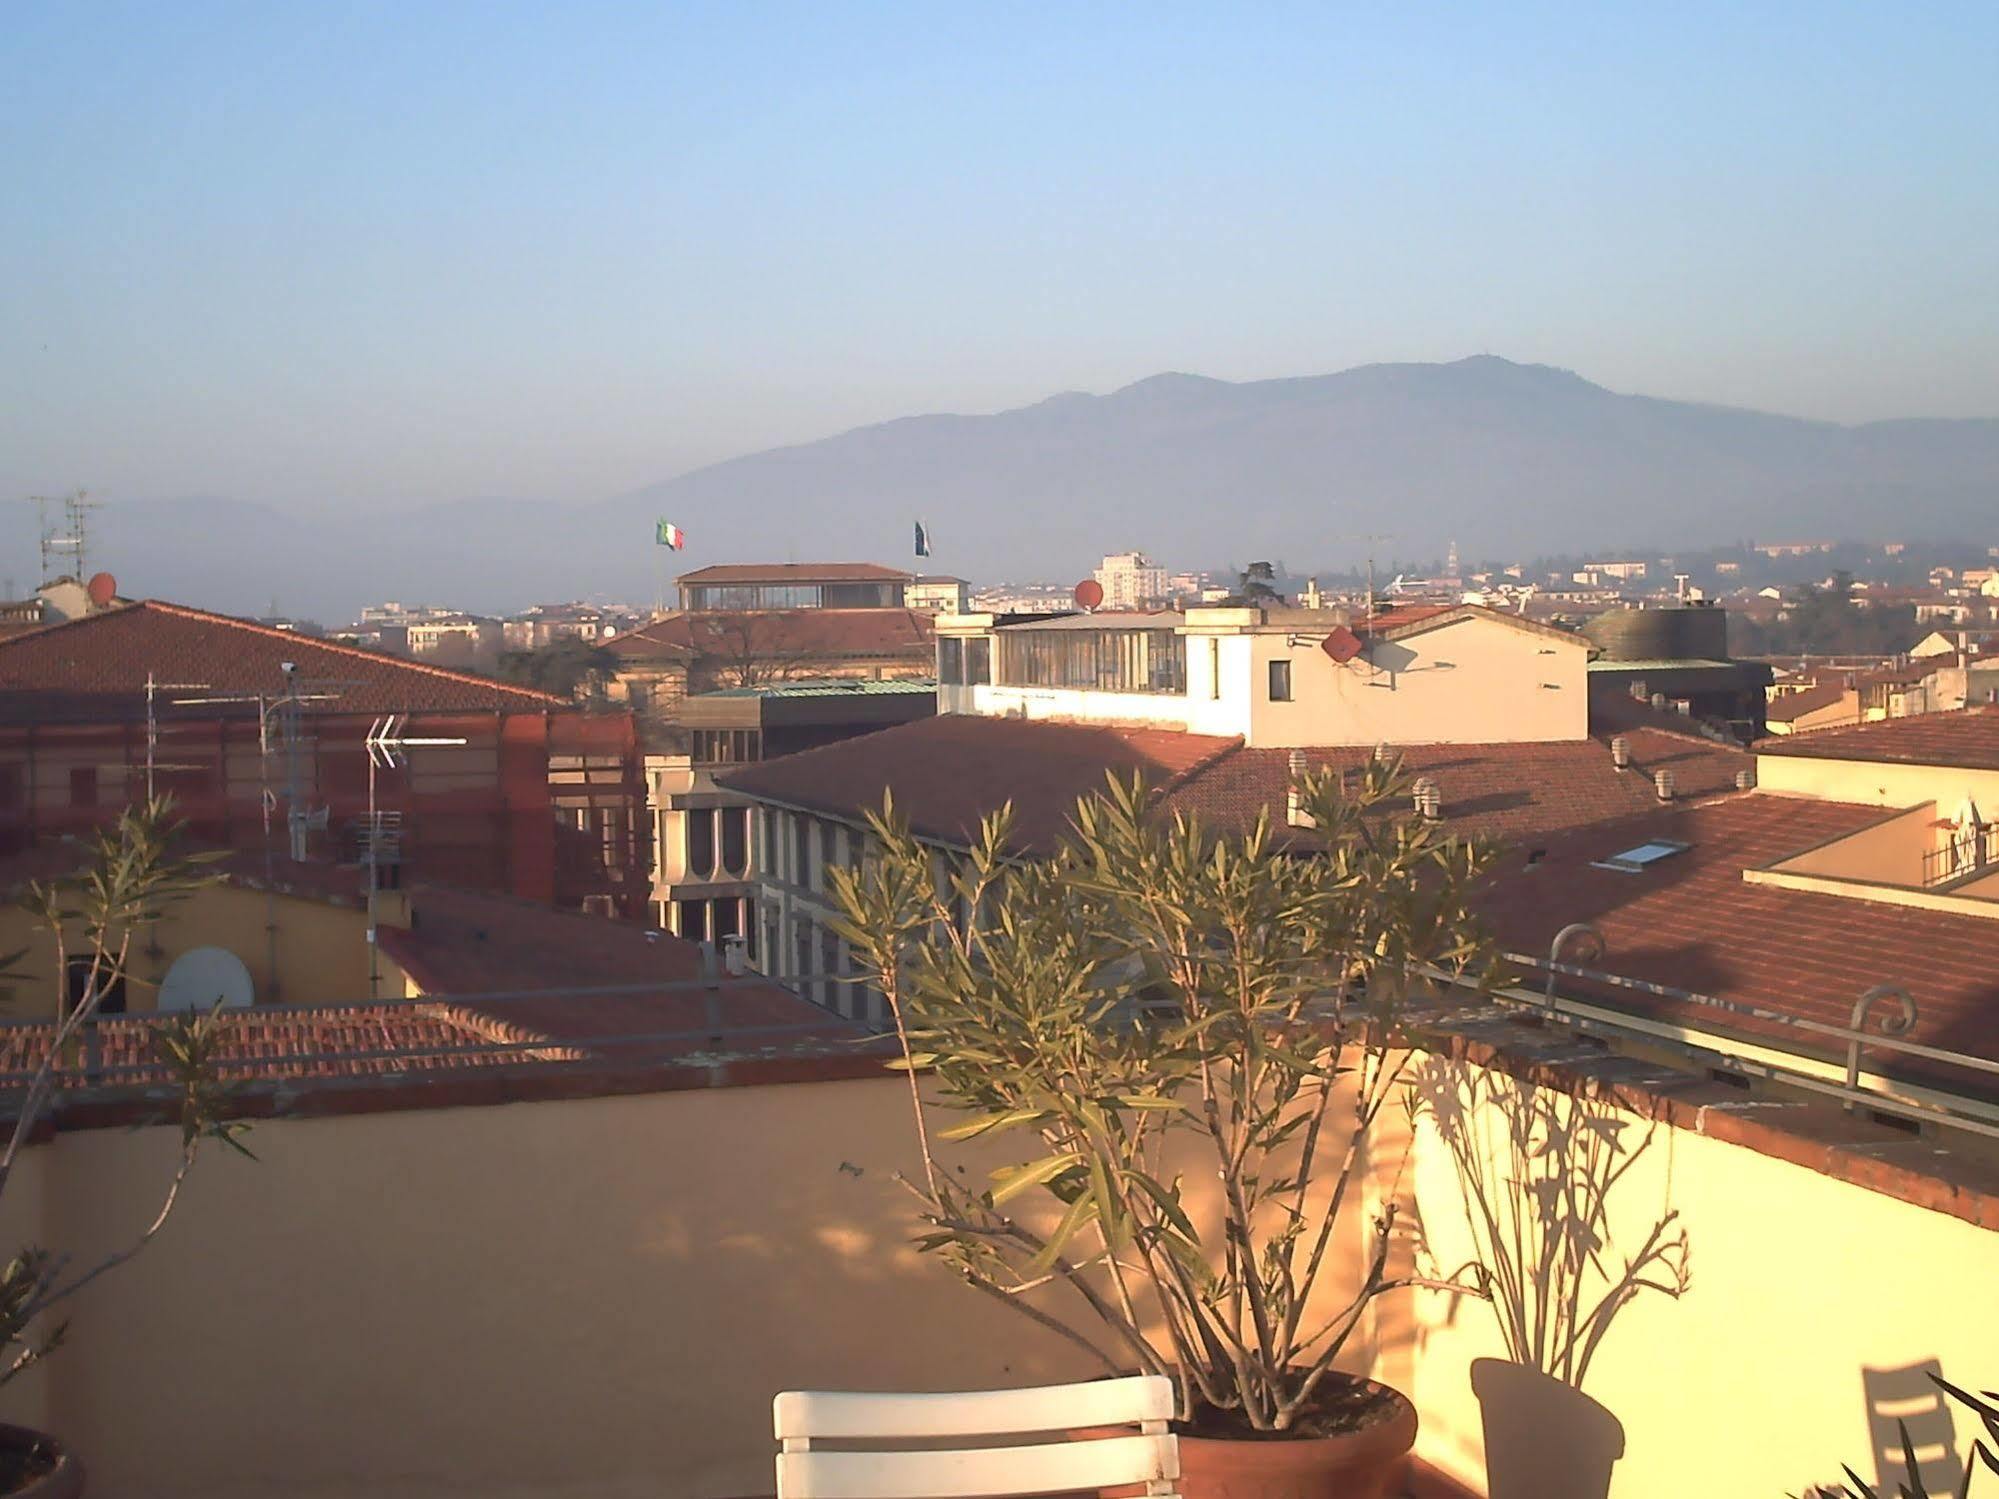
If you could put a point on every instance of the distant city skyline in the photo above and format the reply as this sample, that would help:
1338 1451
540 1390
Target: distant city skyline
314 255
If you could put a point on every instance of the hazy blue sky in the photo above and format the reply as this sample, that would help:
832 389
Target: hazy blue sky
315 252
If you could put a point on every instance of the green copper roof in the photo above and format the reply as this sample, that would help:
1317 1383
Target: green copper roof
832 687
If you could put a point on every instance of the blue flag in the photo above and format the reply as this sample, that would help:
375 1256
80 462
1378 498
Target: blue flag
922 540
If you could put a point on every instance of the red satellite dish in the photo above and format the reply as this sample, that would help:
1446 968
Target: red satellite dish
1089 593
1342 645
102 588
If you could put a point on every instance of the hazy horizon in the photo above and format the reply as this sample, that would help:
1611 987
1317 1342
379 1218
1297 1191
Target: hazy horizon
311 256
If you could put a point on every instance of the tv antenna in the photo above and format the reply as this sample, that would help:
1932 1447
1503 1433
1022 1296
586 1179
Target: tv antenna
1370 537
67 537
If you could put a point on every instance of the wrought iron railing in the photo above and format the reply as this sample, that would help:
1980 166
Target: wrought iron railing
1968 852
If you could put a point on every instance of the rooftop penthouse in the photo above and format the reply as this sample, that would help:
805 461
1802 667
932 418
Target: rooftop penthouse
794 585
1277 677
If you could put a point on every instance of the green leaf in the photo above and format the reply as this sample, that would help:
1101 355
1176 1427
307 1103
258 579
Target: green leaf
1011 1181
976 1127
1082 1212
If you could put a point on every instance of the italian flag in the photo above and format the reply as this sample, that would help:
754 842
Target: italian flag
671 535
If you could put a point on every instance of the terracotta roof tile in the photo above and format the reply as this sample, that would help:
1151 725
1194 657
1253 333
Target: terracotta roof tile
466 943
948 773
1795 705
95 668
1691 922
1506 791
1967 738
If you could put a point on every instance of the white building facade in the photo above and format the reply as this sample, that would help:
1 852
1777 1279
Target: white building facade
1131 579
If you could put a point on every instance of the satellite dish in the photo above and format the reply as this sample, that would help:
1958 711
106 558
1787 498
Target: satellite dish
102 588
1089 593
201 976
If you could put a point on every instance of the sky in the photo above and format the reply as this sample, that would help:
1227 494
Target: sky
338 255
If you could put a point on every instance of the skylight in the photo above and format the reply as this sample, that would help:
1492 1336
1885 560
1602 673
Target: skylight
1643 857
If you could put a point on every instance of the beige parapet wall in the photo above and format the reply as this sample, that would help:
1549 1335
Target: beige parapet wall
598 1298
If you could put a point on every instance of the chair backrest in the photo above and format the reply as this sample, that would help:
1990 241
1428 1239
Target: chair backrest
1149 1455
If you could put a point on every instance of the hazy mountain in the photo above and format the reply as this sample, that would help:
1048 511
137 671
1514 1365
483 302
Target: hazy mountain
1510 460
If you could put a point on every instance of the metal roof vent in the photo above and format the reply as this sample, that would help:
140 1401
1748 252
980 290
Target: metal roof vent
1620 752
1295 814
1745 780
1429 799
1662 783
1659 702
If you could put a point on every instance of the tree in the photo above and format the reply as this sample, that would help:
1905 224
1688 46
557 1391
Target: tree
1153 994
749 649
130 878
568 666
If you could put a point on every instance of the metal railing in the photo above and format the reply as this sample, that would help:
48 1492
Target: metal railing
1972 851
1852 1040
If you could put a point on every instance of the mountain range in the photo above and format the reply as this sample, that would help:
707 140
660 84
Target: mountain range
1509 460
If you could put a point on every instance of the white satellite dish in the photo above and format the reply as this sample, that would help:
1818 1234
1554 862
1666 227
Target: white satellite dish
201 976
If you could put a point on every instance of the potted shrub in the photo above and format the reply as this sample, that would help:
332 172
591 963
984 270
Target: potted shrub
128 877
1157 992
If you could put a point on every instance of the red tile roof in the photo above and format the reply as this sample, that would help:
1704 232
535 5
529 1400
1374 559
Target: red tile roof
781 634
1691 922
94 668
1397 622
1505 791
950 772
1795 705
464 944
796 572
362 1041
1967 738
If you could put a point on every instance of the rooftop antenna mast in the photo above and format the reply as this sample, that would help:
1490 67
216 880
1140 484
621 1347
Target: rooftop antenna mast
71 535
1370 537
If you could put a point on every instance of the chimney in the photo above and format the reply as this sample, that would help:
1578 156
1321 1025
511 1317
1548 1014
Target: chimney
1429 799
1745 780
1659 702
1620 752
1295 814
1662 783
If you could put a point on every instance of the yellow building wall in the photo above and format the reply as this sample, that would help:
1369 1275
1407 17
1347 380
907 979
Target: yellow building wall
599 1297
1871 782
320 949
1749 1383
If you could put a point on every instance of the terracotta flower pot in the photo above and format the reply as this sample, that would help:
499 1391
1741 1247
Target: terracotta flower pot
1364 1464
63 1479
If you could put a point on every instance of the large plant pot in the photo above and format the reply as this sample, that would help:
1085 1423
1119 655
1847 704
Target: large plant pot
62 1480
1543 1439
1364 1464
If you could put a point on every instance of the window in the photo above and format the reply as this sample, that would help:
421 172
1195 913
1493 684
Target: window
112 1001
735 840
83 786
1280 681
727 746
951 661
1093 660
1644 856
701 843
978 661
801 849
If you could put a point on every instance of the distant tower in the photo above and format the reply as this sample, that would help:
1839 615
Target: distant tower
1451 560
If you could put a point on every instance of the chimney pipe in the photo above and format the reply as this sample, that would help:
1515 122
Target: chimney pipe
1295 814
1620 752
1429 799
1745 780
1662 783
1659 702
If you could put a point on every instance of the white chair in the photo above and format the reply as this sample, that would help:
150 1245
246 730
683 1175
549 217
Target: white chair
1150 1455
